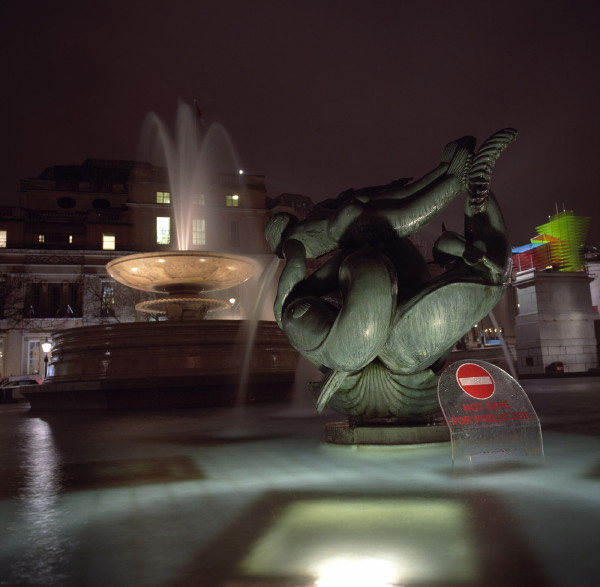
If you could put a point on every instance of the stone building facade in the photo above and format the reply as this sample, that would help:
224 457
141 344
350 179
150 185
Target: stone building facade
71 220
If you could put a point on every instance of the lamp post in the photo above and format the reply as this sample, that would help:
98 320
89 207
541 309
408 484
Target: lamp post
46 346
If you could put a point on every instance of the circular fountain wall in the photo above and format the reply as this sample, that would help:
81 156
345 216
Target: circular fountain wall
164 364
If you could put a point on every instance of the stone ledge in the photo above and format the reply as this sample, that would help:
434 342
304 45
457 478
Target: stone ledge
341 433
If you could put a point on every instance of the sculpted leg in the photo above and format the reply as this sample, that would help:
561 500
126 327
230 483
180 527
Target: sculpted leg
406 216
417 204
454 161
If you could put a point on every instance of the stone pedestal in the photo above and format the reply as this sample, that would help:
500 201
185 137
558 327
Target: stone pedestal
555 322
342 433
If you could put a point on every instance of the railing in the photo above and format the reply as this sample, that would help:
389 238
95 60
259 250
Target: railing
52 216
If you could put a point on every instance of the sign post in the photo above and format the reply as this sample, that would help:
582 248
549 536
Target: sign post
488 413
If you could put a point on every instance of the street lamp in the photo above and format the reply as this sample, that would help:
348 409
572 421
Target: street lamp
46 346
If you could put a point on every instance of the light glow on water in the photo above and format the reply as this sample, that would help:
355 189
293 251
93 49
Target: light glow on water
40 518
357 572
369 541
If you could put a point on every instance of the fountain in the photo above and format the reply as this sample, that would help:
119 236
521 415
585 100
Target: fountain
185 360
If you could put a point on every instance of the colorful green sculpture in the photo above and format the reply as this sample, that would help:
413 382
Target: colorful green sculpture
372 316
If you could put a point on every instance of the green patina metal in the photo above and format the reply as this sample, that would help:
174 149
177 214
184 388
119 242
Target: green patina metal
372 317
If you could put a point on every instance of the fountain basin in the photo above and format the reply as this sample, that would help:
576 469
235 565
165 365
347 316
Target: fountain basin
183 275
181 272
193 363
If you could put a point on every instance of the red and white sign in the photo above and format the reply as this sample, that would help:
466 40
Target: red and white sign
475 381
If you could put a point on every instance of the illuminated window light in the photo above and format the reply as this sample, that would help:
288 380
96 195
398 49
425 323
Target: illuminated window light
41 238
198 231
163 230
3 238
108 241
163 197
232 200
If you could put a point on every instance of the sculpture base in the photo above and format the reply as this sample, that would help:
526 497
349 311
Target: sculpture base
343 433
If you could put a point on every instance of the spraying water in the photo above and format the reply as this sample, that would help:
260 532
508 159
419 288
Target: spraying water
264 282
507 355
192 157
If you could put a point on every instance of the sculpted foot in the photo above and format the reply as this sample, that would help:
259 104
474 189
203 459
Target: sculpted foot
480 172
459 155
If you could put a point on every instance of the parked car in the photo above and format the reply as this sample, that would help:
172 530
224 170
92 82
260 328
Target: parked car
9 385
556 367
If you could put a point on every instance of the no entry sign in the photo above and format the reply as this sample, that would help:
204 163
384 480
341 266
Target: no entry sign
475 381
485 428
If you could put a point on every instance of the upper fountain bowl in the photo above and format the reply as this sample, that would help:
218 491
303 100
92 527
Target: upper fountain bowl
181 272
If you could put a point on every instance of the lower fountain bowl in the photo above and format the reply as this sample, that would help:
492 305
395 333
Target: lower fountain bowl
191 363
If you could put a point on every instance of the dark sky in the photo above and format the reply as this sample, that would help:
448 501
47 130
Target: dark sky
319 96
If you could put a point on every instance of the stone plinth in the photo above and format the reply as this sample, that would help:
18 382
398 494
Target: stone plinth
163 364
343 433
555 322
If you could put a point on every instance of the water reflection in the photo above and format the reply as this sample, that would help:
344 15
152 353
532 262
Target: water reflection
42 541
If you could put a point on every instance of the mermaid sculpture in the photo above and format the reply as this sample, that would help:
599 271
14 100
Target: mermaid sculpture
371 316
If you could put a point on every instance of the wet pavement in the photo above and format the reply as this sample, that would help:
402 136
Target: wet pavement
219 497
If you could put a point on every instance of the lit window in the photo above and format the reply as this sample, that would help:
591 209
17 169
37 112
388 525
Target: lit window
163 230
232 200
200 199
41 238
3 237
163 197
108 241
70 238
198 231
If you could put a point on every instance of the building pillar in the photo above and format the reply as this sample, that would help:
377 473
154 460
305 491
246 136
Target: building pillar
13 352
555 321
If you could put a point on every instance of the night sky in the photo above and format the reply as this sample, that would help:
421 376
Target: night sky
318 96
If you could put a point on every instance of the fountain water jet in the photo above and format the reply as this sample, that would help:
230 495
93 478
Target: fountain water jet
185 274
190 160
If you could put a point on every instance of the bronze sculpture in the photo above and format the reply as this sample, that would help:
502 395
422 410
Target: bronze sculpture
371 316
